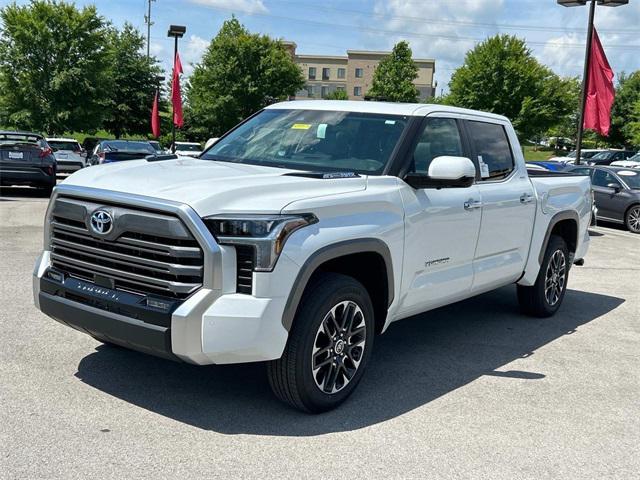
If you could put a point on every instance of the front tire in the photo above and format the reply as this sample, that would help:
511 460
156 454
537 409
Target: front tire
632 219
544 298
329 345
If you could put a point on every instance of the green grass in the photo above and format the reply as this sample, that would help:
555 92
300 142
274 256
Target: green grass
542 153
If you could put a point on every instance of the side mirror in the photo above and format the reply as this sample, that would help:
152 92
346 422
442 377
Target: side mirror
445 172
615 186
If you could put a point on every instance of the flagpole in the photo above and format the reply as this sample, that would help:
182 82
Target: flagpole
173 108
585 81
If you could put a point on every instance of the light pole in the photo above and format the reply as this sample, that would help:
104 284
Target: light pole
587 57
175 31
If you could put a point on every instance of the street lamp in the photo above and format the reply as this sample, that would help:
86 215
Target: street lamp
587 57
175 31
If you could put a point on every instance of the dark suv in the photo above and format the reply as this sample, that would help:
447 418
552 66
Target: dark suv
610 156
26 159
617 194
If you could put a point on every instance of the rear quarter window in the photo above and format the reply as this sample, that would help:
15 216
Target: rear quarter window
492 148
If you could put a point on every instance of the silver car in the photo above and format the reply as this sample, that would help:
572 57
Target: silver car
69 154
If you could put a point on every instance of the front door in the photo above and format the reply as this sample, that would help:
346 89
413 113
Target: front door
608 194
441 226
508 206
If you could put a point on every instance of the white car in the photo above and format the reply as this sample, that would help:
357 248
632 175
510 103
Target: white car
187 149
585 154
304 233
70 156
633 162
210 142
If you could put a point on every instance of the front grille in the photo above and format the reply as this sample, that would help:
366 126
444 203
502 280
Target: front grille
244 268
148 252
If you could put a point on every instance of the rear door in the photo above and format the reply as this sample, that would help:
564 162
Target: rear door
508 205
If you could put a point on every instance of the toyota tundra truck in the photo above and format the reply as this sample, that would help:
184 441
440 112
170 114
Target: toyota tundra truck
303 233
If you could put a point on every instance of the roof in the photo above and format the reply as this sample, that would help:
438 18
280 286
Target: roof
389 108
60 139
19 132
376 53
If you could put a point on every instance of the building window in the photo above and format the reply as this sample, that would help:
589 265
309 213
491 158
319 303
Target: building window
340 88
342 72
310 91
326 73
357 91
324 91
359 73
312 73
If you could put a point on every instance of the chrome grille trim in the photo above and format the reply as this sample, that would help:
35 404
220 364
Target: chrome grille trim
177 267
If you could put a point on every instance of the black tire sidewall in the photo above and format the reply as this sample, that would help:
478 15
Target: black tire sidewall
331 290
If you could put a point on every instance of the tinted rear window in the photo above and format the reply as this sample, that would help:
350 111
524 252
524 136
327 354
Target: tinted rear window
493 149
123 146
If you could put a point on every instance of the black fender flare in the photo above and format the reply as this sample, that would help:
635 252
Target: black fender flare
329 252
557 218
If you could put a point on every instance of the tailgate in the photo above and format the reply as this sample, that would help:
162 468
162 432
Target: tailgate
20 154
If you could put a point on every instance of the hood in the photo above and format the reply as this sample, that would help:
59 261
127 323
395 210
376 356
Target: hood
211 187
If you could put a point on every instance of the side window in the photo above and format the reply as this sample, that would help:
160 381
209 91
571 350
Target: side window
602 178
440 137
492 147
581 171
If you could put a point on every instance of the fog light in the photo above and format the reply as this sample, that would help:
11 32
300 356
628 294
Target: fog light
159 304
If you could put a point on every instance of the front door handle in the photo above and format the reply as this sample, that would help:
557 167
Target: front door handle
472 204
526 198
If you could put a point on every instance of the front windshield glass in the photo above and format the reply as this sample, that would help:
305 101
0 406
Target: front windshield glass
602 156
313 140
631 178
588 154
63 145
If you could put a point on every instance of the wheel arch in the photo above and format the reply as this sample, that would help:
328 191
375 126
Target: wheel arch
566 225
368 260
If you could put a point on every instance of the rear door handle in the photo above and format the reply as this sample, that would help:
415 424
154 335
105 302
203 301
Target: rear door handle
526 198
472 204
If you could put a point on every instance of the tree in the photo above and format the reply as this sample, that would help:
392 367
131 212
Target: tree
133 82
500 75
53 73
634 126
627 95
337 95
393 77
239 74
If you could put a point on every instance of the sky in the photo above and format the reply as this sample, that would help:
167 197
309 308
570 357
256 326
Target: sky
440 29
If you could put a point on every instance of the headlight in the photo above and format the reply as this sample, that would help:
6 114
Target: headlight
266 233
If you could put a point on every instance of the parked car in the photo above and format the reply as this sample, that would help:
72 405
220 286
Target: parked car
26 159
617 194
606 158
157 147
536 167
109 151
303 233
69 154
187 149
632 162
211 142
585 154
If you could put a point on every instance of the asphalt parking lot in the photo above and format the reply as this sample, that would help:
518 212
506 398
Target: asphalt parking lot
473 390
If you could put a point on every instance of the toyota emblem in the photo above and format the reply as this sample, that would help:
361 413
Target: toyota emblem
101 222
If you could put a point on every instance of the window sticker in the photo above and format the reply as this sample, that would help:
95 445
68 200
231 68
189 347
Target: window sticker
301 126
389 122
627 173
484 168
322 130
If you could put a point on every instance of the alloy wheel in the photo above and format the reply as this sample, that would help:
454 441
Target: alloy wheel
634 220
555 277
338 347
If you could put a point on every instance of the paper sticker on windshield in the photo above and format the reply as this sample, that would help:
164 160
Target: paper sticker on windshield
484 168
390 122
627 173
322 130
301 126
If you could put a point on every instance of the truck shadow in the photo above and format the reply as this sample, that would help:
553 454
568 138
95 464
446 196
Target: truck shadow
416 361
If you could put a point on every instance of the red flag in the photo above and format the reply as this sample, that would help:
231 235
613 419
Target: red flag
155 118
600 91
176 97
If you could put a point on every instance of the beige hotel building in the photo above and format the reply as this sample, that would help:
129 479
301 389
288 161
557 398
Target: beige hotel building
352 73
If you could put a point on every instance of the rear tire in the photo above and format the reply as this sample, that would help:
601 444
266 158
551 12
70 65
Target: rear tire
632 219
544 298
329 345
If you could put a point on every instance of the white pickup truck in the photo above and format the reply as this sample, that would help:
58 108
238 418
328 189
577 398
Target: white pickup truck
303 233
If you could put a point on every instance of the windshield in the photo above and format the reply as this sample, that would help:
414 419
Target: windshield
63 145
188 147
631 178
588 154
313 140
602 156
122 146
635 158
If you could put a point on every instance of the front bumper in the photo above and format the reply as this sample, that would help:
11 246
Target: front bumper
214 325
69 166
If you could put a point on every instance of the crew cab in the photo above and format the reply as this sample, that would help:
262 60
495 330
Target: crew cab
303 233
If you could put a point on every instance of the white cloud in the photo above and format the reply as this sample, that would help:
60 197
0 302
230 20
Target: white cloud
246 6
192 52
